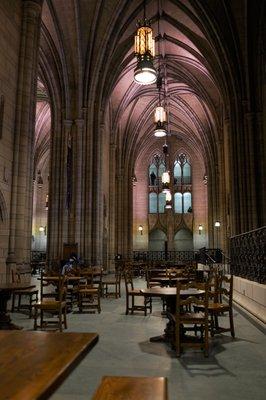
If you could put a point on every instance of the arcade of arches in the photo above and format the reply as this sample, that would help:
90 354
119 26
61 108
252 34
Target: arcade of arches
76 132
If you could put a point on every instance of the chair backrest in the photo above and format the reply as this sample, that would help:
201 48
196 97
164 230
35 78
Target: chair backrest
58 285
118 273
193 298
224 286
128 280
87 274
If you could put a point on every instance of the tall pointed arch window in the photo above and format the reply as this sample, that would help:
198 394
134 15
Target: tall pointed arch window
157 199
182 170
182 185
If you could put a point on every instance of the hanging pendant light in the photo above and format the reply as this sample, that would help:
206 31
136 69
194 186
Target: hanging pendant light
166 181
168 198
145 73
160 120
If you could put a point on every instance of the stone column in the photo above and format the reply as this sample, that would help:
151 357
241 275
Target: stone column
22 179
77 185
112 206
58 212
97 206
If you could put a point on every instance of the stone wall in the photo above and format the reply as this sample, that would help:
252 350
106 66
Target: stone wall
10 30
251 296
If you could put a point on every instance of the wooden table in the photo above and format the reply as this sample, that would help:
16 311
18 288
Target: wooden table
6 290
33 364
169 293
166 281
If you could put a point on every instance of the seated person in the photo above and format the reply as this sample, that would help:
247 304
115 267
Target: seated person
70 264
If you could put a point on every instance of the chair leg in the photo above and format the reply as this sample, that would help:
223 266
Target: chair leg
13 302
30 307
206 339
41 323
99 304
177 339
60 320
132 304
35 318
127 305
65 320
19 302
232 328
212 325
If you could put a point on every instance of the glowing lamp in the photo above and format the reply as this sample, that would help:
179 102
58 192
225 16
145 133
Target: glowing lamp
145 73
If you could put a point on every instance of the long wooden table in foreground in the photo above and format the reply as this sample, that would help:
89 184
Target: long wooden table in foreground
33 364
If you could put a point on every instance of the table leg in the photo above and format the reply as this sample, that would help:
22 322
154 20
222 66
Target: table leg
5 320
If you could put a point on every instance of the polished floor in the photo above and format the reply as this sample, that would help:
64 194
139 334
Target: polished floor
236 368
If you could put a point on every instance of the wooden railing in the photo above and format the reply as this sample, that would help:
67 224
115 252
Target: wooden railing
248 255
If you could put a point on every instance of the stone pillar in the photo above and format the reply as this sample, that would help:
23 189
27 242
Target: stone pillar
58 212
22 179
112 206
97 206
77 185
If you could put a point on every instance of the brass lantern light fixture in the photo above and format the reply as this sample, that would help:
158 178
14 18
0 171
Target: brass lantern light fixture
160 120
144 73
168 198
166 182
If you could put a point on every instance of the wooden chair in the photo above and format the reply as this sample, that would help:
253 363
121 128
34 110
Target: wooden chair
131 293
150 283
52 303
89 292
186 316
115 282
218 306
31 294
128 387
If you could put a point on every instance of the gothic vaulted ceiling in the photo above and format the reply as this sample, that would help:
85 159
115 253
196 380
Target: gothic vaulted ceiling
87 58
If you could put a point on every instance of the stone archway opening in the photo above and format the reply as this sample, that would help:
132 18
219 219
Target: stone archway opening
183 240
157 239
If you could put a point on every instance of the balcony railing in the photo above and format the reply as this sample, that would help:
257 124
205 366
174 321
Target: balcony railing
248 255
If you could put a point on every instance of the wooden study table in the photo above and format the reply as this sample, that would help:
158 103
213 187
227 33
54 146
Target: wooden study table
169 293
33 364
6 290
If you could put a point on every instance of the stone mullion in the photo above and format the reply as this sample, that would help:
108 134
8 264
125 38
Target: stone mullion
21 203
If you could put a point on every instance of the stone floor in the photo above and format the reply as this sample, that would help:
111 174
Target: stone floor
236 369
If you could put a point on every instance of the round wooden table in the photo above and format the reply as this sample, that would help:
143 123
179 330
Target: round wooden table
6 290
169 293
